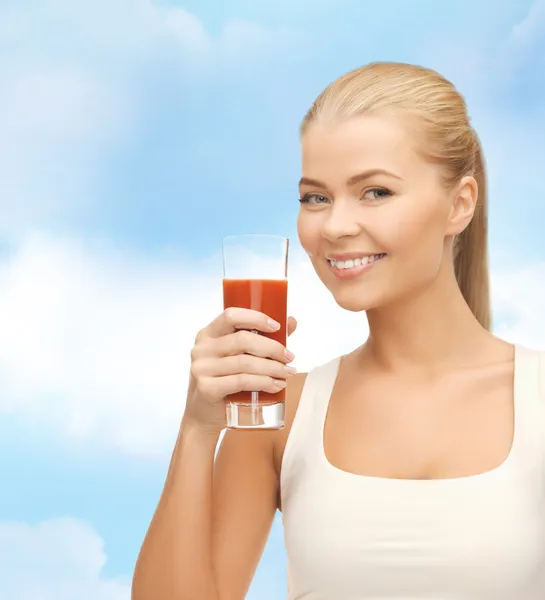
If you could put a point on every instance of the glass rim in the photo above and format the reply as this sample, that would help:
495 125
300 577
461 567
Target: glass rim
254 235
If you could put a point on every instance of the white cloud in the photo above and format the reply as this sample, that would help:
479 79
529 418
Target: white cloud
95 344
519 298
58 559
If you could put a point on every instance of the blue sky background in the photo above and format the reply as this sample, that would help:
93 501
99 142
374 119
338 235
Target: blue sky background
133 135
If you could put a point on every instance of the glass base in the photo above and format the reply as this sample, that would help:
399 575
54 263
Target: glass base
261 415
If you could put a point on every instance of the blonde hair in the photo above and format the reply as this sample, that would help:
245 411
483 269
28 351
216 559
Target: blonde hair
441 114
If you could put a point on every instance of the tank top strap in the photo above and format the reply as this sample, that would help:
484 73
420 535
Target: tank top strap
542 377
529 408
541 396
303 440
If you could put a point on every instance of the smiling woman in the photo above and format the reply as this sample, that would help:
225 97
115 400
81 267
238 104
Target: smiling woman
410 467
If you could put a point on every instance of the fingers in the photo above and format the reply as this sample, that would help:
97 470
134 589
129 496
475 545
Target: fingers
242 342
241 382
230 356
233 319
244 363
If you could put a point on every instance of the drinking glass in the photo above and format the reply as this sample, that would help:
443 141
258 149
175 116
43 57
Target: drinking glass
255 275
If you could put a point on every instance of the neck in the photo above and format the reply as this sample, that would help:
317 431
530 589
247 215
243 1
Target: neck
426 332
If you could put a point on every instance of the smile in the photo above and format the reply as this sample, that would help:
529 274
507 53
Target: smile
347 269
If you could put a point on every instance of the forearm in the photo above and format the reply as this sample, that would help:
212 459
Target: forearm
175 562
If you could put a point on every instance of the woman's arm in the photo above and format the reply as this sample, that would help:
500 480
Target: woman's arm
213 519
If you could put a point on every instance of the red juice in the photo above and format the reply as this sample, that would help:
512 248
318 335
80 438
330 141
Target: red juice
269 296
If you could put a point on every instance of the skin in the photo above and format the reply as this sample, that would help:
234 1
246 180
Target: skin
445 384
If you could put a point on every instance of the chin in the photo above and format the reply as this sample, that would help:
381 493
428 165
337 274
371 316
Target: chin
353 301
354 298
354 304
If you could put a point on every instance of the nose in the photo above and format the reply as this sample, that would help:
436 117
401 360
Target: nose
341 221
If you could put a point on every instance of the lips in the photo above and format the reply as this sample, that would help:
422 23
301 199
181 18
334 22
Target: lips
350 263
351 268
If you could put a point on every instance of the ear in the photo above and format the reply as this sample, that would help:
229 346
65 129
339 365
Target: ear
464 201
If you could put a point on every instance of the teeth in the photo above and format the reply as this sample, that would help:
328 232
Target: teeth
348 264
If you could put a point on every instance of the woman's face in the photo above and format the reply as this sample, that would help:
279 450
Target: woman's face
370 199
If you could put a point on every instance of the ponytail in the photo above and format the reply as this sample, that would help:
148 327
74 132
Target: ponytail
471 252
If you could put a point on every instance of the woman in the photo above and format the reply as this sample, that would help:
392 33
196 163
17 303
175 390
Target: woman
412 467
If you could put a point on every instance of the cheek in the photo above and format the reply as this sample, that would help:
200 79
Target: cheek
409 229
417 246
309 232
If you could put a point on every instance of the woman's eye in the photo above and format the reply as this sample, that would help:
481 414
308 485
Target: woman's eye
313 199
377 194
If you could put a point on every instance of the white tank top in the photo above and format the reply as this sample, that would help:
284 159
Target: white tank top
353 537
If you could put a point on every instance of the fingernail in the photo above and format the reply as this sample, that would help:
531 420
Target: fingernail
290 370
280 383
289 355
273 324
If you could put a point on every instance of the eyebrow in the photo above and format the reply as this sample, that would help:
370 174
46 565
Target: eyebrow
352 180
